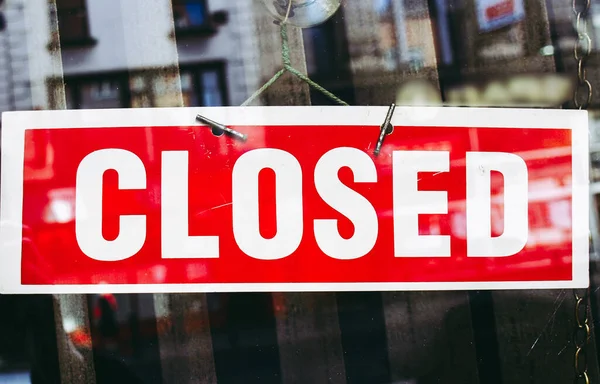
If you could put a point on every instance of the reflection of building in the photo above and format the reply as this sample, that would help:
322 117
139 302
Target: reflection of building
479 52
495 59
364 53
595 180
124 54
15 90
389 42
130 54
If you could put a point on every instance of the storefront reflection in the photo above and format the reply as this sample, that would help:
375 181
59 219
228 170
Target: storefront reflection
239 332
208 53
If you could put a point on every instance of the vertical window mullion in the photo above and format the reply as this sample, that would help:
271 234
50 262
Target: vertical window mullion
199 85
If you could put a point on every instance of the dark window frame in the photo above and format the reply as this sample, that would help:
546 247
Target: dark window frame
207 28
67 12
197 69
74 84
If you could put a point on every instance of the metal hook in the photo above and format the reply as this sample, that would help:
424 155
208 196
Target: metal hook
386 129
222 128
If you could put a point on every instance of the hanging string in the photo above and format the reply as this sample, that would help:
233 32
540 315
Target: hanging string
316 86
271 81
287 67
285 48
287 13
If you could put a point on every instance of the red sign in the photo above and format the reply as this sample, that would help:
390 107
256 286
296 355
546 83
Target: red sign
503 8
494 14
148 200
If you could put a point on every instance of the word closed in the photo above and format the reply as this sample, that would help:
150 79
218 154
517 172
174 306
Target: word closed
408 204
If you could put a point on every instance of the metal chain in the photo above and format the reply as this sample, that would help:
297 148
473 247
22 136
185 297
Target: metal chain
582 98
581 337
583 47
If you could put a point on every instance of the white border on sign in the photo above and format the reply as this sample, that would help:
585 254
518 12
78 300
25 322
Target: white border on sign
11 182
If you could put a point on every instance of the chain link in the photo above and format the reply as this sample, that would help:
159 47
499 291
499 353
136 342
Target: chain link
583 47
581 337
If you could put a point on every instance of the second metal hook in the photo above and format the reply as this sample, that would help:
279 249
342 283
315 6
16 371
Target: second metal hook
386 129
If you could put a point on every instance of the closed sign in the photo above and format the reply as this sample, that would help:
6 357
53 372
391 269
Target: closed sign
148 200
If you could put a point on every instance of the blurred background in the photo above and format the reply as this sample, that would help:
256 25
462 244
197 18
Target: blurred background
91 54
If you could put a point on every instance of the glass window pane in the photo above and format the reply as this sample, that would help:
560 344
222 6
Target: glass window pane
196 53
211 92
103 94
189 13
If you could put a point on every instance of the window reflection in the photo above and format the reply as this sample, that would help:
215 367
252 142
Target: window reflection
189 13
165 53
96 93
73 22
